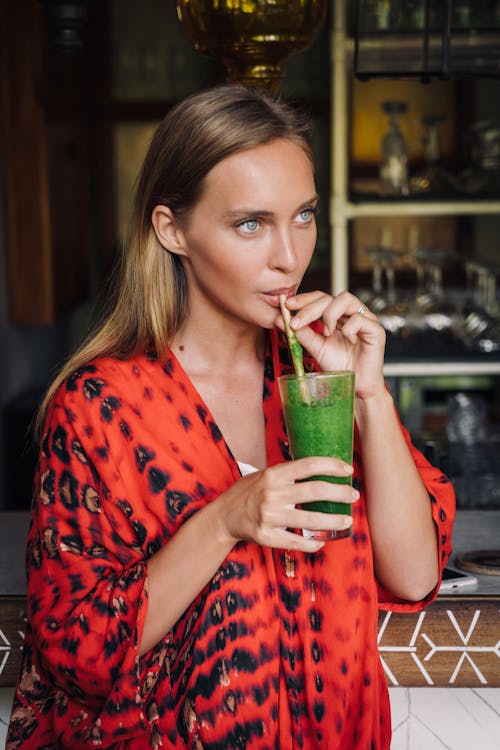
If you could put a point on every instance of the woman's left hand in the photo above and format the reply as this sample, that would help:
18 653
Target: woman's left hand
352 338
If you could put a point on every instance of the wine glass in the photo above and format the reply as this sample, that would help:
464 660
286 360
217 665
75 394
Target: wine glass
394 314
433 309
386 303
375 298
393 169
433 178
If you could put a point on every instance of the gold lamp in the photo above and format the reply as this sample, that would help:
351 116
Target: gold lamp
251 38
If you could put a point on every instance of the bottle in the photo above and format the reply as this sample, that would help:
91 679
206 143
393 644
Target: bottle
393 170
383 14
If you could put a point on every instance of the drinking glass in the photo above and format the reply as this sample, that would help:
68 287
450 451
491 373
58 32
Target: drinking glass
319 417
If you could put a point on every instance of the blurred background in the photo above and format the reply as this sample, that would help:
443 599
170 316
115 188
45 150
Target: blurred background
405 105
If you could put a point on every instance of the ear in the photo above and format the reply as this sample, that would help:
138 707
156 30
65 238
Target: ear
168 231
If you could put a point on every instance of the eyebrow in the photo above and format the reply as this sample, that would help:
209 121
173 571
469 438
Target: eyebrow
262 212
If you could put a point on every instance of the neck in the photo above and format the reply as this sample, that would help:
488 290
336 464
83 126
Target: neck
205 344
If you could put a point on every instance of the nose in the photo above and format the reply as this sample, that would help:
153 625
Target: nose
284 255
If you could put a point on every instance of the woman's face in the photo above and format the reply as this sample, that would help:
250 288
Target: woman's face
251 235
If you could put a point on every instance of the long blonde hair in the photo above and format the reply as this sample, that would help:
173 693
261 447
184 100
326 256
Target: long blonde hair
149 301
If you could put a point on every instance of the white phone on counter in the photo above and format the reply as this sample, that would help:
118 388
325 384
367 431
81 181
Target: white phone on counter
455 579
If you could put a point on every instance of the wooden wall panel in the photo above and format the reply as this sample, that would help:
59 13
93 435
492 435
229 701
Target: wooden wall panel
44 132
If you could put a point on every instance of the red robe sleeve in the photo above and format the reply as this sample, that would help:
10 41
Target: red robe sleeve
87 596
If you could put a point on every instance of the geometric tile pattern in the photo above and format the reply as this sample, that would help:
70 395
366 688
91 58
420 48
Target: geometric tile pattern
452 643
12 623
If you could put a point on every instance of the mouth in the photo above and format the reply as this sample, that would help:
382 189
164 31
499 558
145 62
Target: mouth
273 297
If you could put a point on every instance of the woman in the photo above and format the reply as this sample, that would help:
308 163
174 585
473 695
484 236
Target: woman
173 601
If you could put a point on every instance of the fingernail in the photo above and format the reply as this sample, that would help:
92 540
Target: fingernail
347 521
348 469
355 494
295 322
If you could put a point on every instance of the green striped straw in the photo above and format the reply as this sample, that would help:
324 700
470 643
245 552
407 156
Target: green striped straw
295 347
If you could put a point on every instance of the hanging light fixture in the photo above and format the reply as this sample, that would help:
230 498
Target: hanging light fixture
426 39
252 38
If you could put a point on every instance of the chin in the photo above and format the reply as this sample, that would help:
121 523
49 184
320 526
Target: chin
268 322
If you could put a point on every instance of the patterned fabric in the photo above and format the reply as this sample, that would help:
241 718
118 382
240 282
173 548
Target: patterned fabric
279 650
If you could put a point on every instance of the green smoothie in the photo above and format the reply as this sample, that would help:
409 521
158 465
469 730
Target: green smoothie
319 419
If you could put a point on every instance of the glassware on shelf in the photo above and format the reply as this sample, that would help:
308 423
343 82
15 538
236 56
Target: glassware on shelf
483 174
433 178
383 13
434 318
393 170
385 302
394 315
479 327
374 297
467 419
433 309
461 14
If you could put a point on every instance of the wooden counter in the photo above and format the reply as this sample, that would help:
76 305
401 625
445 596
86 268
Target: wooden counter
13 532
455 642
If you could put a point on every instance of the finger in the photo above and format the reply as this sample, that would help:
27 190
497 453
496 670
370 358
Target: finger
360 326
279 510
303 468
309 308
304 298
346 303
322 521
305 303
316 489
287 539
346 308
331 310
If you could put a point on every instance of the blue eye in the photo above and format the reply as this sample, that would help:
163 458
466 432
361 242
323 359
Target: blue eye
306 215
249 225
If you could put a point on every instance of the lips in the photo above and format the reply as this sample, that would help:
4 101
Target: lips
288 290
273 297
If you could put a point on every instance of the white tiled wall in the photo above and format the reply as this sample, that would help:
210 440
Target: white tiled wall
422 718
6 696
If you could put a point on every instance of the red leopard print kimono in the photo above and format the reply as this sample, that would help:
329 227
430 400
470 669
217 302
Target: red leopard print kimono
279 650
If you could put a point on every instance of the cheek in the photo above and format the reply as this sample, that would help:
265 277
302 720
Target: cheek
223 266
308 246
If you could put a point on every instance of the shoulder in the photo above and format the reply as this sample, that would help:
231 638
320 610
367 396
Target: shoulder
101 387
100 376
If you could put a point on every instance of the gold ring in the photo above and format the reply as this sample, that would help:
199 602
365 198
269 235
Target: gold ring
362 310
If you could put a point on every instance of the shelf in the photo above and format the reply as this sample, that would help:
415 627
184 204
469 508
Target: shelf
436 353
393 42
423 368
471 53
417 207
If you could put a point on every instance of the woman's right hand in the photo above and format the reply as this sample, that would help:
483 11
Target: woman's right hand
263 507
